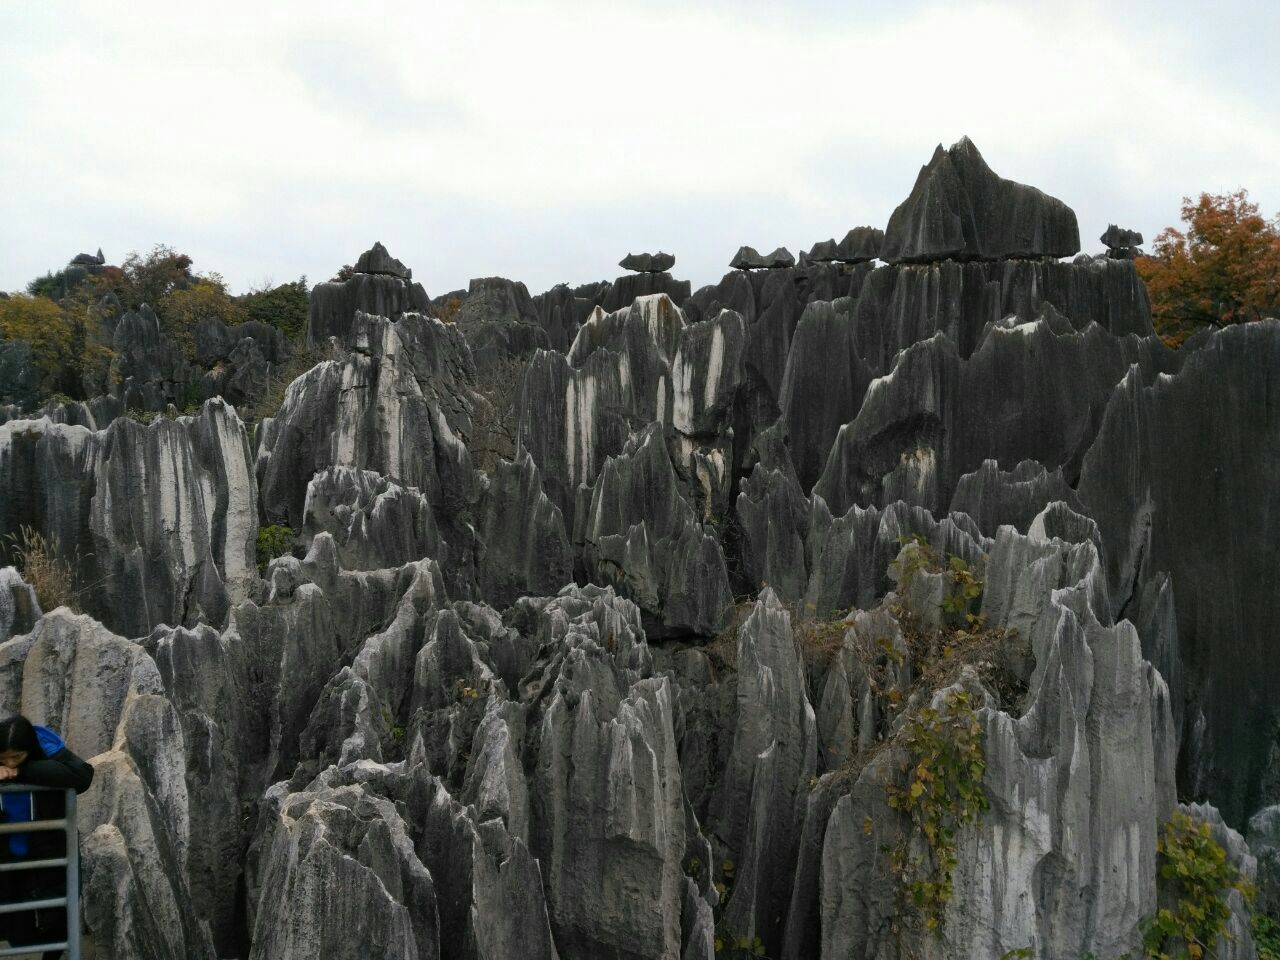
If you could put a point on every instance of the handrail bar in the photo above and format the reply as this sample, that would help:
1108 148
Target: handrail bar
70 902
13 866
33 826
33 948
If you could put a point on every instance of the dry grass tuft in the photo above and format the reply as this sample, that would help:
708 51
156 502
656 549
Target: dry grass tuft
51 576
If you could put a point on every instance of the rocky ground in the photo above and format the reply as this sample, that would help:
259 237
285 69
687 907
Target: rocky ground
926 507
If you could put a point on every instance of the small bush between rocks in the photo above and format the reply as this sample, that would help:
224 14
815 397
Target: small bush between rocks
1266 936
273 541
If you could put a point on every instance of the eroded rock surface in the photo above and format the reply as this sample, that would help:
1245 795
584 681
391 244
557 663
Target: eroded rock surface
645 682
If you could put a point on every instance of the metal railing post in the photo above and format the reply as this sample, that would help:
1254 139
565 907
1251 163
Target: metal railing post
73 879
70 862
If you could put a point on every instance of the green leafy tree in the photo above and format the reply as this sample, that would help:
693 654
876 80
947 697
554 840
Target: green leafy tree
47 286
273 541
283 307
151 278
182 308
38 321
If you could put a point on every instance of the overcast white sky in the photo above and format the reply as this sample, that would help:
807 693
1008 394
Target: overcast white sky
544 140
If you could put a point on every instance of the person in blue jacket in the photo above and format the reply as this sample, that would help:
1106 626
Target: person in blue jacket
35 755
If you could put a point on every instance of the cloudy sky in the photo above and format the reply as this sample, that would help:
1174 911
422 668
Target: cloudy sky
543 140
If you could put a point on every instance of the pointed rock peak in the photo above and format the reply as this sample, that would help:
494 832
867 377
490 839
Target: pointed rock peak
377 260
648 262
964 147
961 209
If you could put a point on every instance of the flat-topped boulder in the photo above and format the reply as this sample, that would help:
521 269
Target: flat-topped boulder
648 262
377 260
379 285
1121 244
960 209
779 259
860 245
748 259
824 251
89 259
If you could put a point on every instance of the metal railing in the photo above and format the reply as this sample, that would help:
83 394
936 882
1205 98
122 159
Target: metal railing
70 901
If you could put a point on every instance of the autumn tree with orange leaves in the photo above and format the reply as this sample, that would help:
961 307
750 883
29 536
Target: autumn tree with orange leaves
1223 268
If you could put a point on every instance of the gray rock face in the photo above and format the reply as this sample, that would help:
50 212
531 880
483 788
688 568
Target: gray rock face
1264 844
375 522
19 606
526 547
436 726
648 262
252 690
562 310
623 371
148 368
823 385
19 381
216 341
103 694
1088 676
774 756
921 427
849 555
377 260
160 520
774 516
1172 465
391 294
397 406
631 287
500 323
344 839
644 538
960 209
994 497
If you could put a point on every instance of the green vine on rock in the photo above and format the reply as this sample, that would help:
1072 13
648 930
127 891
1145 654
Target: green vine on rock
1200 877
918 555
943 792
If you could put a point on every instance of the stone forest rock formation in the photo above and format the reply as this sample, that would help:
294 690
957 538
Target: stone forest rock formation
613 621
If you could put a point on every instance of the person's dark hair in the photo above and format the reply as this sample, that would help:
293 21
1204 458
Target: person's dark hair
17 733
